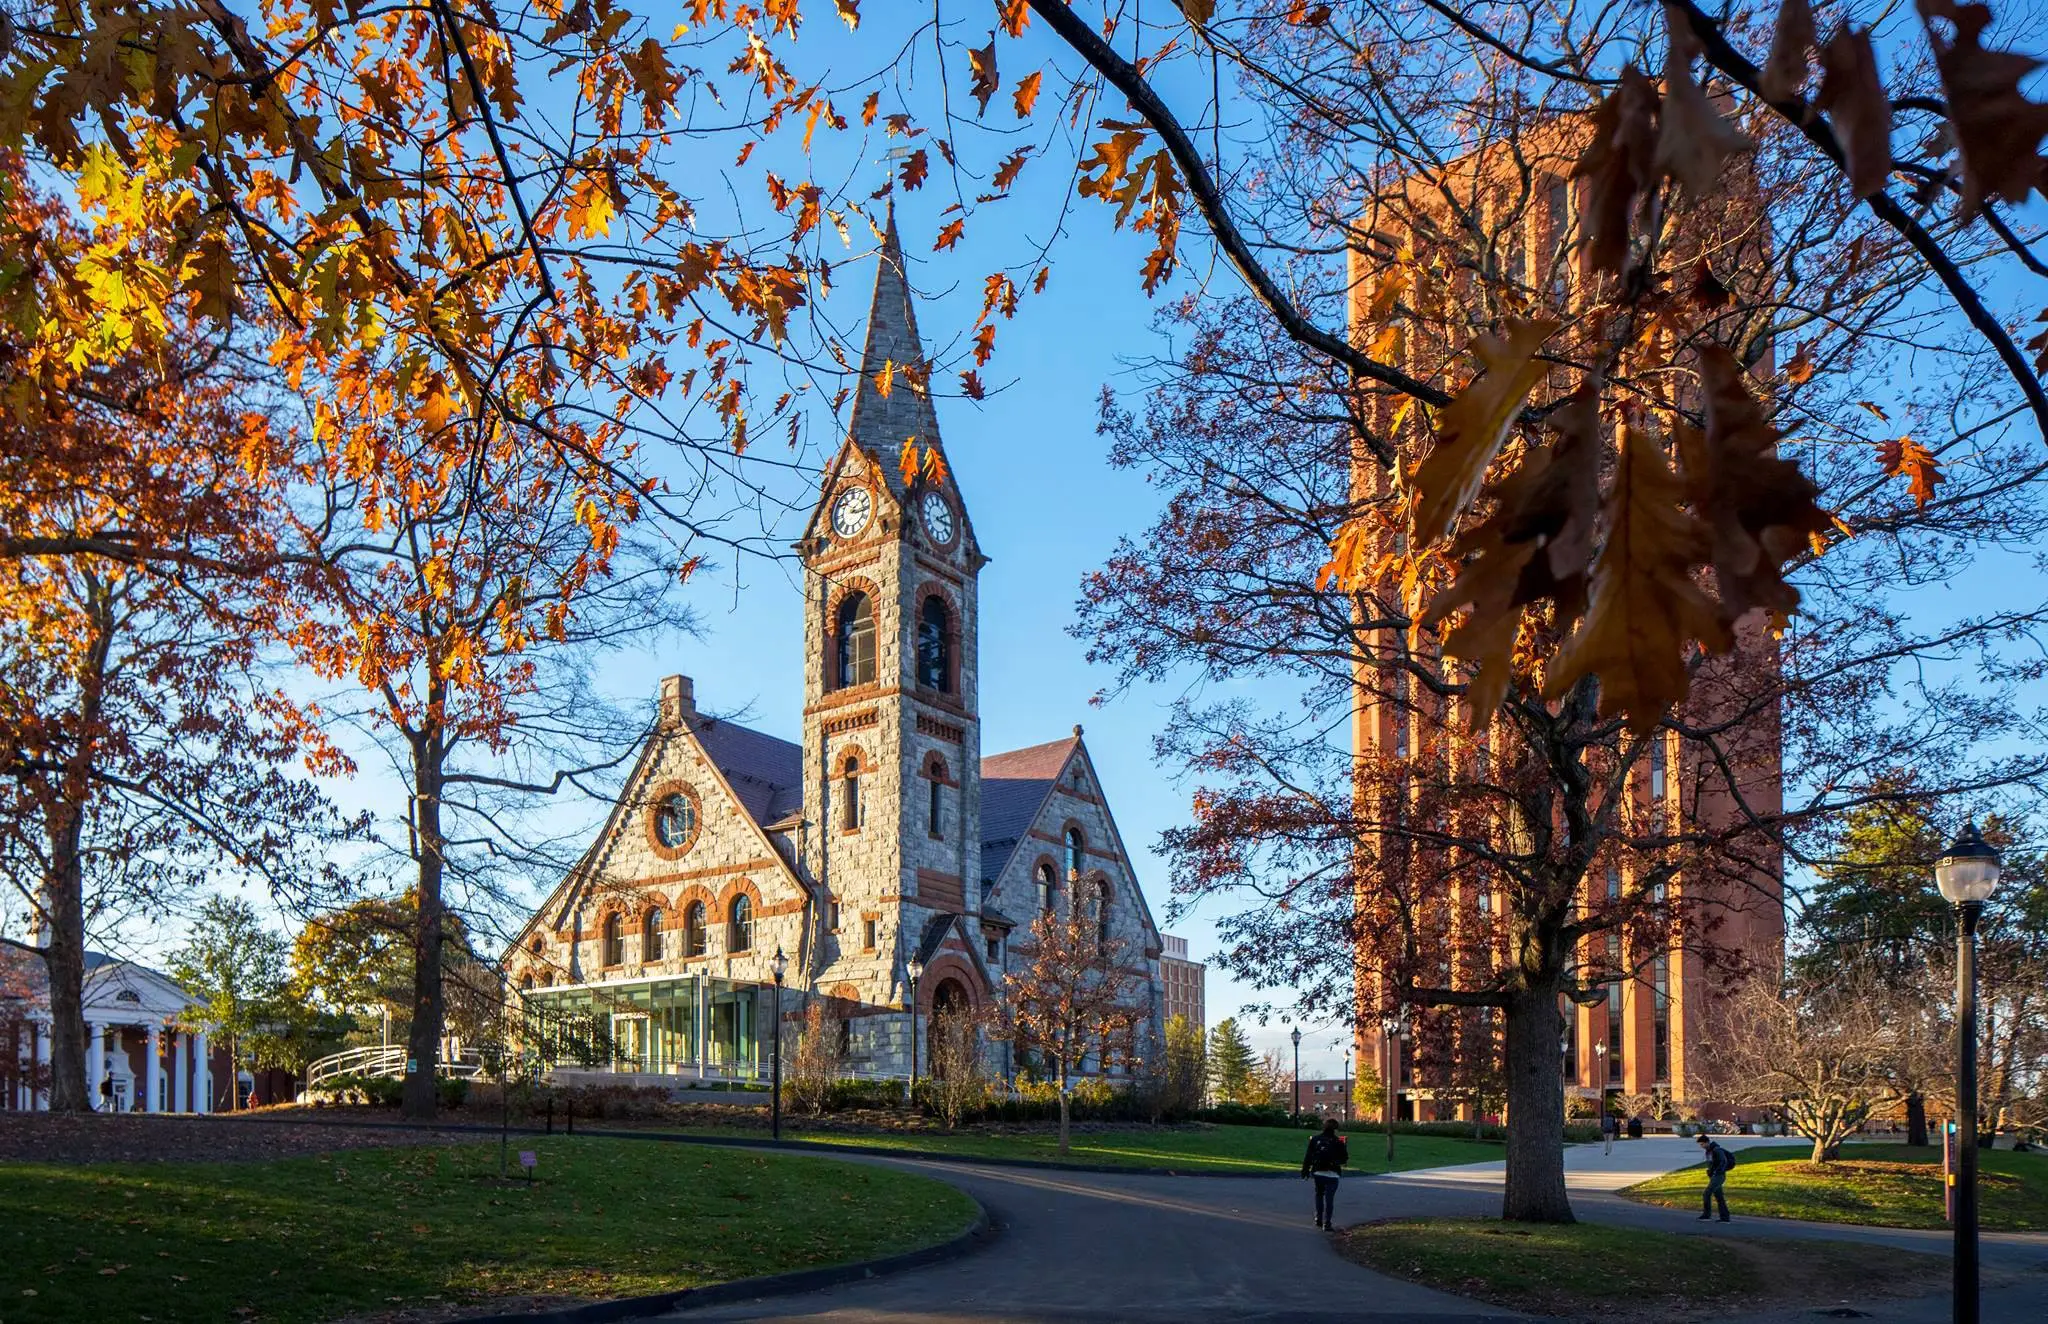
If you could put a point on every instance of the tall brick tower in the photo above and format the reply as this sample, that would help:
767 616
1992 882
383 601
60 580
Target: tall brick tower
891 734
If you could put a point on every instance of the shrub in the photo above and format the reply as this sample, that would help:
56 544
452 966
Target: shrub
450 1091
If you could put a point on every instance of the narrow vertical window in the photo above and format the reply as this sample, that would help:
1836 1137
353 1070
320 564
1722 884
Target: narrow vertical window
935 809
1103 893
849 795
614 939
1048 889
854 632
1076 852
934 646
694 929
650 936
739 928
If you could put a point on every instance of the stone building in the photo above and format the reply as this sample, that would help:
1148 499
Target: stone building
880 847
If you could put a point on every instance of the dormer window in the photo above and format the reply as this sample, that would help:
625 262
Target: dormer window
854 632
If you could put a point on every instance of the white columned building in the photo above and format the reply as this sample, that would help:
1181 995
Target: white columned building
134 1018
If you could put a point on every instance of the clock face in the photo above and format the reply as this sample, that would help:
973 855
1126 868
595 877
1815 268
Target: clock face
938 517
850 512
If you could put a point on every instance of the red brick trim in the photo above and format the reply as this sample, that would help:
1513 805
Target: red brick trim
841 590
950 965
661 792
934 760
955 641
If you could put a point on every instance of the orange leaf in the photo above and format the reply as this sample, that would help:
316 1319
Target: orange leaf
1471 428
1800 370
1012 166
970 385
1619 164
1908 458
885 380
981 64
850 11
1854 97
1015 15
1998 131
1026 95
915 167
950 235
984 345
870 108
906 463
1348 553
1643 607
590 209
934 465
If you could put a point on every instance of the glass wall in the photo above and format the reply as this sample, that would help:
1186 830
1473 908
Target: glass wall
653 1027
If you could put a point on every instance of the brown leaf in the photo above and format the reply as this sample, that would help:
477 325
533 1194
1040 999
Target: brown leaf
1759 506
1643 606
1693 140
1853 95
1026 95
916 167
1534 546
1799 370
1471 428
1907 458
849 10
1707 289
1014 15
1997 130
981 64
970 385
1619 164
1785 71
1012 166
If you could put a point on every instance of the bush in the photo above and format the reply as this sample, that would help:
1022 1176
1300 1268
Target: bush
450 1091
374 1091
1250 1114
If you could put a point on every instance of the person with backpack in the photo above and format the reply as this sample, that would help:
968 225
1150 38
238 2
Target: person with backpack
1324 1165
1610 1126
1719 1160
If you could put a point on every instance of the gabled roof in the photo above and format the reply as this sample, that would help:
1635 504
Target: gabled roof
1014 786
766 772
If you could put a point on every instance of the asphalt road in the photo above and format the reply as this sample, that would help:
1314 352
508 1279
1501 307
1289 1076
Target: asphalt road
1092 1246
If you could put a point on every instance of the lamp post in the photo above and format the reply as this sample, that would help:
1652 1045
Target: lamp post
1347 1087
1296 1036
913 970
1967 874
1394 1027
780 967
1600 1082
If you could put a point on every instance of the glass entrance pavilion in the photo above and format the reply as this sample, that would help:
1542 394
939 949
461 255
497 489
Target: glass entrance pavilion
693 1025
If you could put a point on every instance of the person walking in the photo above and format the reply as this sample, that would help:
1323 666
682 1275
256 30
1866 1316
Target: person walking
1719 1160
1610 1126
1324 1165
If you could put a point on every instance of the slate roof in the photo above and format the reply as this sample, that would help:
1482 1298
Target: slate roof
767 773
1013 788
880 424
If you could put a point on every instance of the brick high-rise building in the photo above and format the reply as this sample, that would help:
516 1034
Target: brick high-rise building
1183 981
1644 1037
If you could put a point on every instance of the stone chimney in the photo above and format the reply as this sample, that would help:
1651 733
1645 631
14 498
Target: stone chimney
678 700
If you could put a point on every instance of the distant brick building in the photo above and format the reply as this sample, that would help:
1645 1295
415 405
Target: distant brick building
882 842
1183 982
1643 1037
1321 1098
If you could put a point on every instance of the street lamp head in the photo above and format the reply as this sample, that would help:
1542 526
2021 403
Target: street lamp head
779 966
1599 1050
914 968
1967 872
1296 1036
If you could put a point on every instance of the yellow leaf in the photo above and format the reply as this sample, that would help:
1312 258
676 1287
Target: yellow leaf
885 380
590 209
1471 428
849 10
906 463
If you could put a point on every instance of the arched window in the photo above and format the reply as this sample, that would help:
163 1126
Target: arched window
650 935
935 811
614 939
1048 888
1077 849
693 929
849 794
1103 896
855 633
934 645
739 926
525 983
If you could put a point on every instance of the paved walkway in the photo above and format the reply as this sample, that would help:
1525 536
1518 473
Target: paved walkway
1093 1246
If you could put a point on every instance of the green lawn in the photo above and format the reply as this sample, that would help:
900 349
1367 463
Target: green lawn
374 1229
1582 1269
1880 1185
1188 1149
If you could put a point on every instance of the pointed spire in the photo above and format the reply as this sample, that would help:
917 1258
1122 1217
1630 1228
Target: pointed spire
881 424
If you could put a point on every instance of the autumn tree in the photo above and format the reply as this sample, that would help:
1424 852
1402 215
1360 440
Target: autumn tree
959 1079
1074 998
812 1058
1184 1082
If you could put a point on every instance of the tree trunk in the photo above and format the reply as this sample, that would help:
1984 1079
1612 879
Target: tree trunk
1535 1191
1916 1118
423 1038
1063 1105
63 956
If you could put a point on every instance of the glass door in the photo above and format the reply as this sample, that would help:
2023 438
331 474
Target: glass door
629 1041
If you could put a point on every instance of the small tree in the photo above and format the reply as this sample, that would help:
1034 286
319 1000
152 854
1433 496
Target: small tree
1185 1077
235 968
1272 1081
1824 1050
1231 1064
959 1077
1073 995
811 1059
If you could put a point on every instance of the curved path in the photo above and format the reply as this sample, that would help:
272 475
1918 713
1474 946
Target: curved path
1096 1246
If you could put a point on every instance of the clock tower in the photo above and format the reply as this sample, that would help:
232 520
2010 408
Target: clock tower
892 734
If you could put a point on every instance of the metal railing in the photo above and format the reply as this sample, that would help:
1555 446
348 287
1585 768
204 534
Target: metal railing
385 1062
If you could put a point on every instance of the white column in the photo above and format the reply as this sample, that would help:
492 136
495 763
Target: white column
95 1062
202 1083
40 1100
181 1048
153 1072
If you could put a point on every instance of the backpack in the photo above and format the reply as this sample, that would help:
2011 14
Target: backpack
1720 1159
